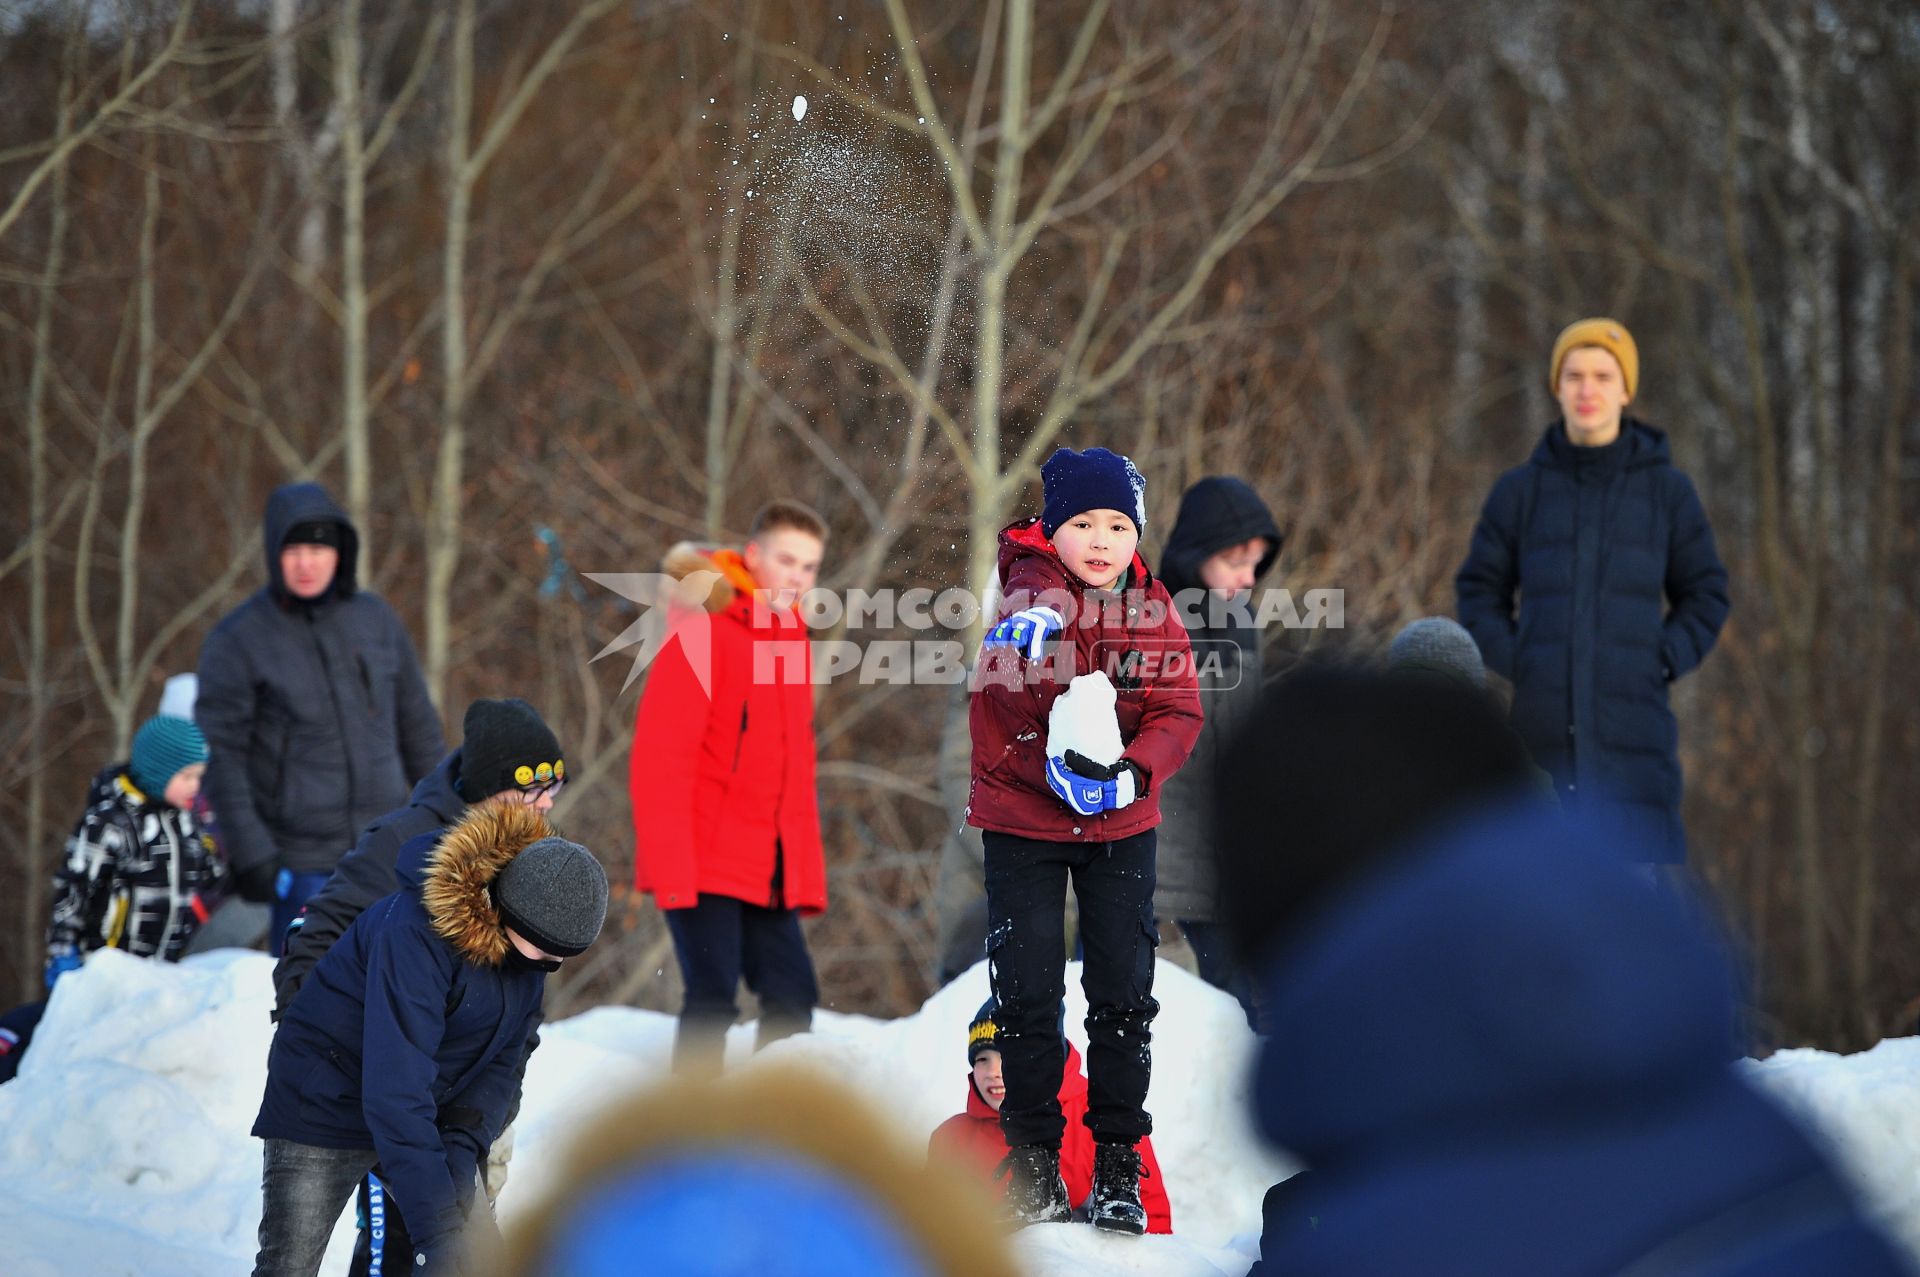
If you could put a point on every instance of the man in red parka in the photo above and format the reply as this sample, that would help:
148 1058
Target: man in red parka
973 1138
726 820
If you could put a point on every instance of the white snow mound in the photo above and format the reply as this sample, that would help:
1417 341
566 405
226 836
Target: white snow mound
124 1146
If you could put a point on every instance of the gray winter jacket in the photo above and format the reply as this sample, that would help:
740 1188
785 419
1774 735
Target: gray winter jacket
315 711
1216 513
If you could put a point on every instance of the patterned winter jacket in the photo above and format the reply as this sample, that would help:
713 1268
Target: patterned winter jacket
140 875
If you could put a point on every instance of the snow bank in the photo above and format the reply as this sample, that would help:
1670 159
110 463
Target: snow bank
124 1146
1866 1109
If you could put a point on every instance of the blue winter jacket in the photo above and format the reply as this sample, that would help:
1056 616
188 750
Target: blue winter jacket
1509 1055
409 1036
1620 592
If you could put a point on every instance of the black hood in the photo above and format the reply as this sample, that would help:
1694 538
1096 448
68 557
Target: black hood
1639 445
293 504
1216 513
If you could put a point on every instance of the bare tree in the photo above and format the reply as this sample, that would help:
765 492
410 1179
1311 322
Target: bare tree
467 159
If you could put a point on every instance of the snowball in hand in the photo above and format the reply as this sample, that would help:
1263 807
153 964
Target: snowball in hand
800 107
1083 719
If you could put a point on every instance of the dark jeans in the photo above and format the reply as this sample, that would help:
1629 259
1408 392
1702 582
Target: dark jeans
1026 960
291 893
383 1247
1217 967
16 1034
720 941
304 1188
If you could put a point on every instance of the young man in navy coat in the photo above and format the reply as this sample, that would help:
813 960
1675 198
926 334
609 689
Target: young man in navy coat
1620 592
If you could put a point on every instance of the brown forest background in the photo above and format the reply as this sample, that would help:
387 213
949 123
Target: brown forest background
540 288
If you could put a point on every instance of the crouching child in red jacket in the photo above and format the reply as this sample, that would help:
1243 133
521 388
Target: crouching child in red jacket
972 1138
1079 600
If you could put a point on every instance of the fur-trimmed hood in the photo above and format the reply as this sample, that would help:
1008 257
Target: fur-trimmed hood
688 562
456 882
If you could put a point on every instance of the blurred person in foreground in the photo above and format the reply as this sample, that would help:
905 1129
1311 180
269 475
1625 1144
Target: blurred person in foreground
766 1172
1496 1050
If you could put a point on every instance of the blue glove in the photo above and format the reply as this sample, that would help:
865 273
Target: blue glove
1027 632
1107 789
59 965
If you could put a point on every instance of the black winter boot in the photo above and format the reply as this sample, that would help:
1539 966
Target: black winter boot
1035 1192
1116 1189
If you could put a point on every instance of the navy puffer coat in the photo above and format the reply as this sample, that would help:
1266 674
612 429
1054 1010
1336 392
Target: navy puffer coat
1620 591
411 1034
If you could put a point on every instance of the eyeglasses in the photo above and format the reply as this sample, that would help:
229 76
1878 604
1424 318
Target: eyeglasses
533 793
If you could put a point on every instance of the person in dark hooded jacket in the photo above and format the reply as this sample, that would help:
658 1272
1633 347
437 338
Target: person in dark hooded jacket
1620 590
404 1046
1496 1048
312 701
1223 542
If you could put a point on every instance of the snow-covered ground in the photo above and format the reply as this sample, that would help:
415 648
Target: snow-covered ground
124 1146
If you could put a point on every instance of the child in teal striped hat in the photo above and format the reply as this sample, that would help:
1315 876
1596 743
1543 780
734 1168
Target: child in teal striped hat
140 872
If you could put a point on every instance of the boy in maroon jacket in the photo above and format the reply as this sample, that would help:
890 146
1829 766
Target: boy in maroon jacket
1078 600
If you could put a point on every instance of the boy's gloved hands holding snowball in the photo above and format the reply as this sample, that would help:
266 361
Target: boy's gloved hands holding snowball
1084 765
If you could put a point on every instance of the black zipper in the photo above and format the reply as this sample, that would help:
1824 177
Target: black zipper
333 695
740 741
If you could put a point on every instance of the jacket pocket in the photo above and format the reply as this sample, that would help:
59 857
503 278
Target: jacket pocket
330 1091
376 676
740 741
267 767
1144 957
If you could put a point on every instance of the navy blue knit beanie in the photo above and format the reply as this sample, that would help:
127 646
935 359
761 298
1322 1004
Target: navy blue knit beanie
1076 482
163 745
